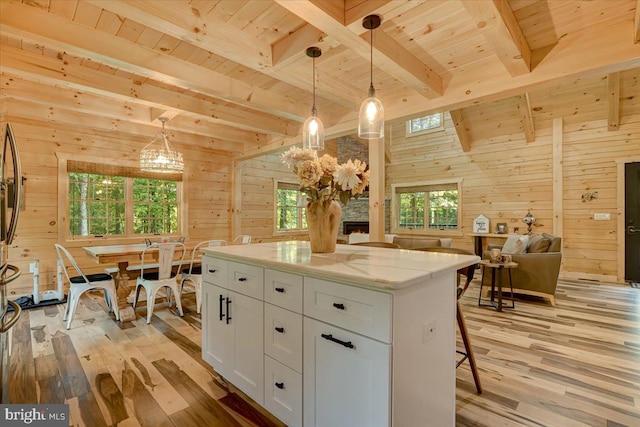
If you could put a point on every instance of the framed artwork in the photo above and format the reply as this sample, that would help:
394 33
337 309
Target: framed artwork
501 228
481 224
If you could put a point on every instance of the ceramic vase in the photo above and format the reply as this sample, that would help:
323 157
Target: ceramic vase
323 220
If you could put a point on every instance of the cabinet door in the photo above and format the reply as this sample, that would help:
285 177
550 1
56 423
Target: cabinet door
246 363
346 378
216 333
283 392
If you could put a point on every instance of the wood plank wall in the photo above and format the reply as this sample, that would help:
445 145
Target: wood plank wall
208 178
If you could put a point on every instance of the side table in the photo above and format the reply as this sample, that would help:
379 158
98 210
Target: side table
496 269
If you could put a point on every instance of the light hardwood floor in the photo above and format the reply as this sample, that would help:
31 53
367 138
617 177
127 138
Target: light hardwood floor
576 364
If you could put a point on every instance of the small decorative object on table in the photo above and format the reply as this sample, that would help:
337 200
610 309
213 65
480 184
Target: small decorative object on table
529 220
481 224
323 180
496 255
501 228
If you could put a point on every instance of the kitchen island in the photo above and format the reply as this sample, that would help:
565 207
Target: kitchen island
363 336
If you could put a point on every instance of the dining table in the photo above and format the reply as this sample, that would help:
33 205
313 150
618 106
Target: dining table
121 255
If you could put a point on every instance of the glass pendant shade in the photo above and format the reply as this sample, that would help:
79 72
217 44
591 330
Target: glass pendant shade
160 156
371 117
313 133
313 129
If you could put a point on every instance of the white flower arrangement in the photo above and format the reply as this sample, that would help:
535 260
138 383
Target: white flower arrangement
322 178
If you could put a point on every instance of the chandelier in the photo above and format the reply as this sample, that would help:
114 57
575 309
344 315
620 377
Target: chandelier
160 156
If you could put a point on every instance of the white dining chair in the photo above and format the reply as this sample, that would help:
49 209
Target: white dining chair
193 274
154 276
85 282
242 239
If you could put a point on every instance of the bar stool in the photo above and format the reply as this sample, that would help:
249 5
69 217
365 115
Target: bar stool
467 273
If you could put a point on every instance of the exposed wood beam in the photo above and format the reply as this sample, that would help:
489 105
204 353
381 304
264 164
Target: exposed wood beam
376 189
613 98
388 55
156 113
57 71
178 19
558 195
292 48
356 10
461 129
636 23
527 117
496 21
60 33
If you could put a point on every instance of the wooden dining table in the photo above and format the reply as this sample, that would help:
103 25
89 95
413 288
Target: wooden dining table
121 255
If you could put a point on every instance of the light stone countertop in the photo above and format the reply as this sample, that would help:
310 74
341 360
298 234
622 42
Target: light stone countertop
381 268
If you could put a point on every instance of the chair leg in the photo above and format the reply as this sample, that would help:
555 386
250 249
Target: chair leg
113 296
72 304
137 295
467 346
178 298
151 301
197 283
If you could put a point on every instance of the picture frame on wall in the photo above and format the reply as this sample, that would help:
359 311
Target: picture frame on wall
501 228
481 224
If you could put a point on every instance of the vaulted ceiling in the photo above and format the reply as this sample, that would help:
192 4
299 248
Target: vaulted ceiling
233 75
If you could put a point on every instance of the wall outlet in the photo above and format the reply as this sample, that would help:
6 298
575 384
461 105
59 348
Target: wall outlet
602 216
428 331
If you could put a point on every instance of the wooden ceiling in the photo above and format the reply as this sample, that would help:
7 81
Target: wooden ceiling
233 75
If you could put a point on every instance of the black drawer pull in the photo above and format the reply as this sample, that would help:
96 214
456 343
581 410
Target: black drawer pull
221 314
228 317
335 340
339 306
280 329
281 290
280 385
212 271
242 279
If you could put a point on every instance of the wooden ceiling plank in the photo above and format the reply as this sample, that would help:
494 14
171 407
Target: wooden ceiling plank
292 48
528 128
498 24
49 29
461 130
356 10
54 71
636 23
389 55
613 98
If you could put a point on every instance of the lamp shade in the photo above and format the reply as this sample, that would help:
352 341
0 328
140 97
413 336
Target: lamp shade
160 156
313 133
371 117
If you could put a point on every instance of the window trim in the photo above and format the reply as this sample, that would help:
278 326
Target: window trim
409 134
63 205
277 232
395 206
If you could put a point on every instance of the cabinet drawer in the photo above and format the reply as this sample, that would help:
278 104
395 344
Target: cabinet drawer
246 280
283 336
214 271
283 392
283 289
360 310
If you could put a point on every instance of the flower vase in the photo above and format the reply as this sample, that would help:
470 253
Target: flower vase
323 220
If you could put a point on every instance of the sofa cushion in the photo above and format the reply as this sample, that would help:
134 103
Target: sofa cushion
416 242
515 245
538 244
556 242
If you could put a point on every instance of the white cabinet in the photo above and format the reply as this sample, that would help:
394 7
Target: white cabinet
232 333
347 378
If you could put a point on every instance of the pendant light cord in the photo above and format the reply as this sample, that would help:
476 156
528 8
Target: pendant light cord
371 55
313 110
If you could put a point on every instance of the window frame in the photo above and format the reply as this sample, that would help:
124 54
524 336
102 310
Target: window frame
395 209
276 231
409 133
63 206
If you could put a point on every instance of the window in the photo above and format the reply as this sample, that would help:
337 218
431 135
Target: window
112 201
427 206
425 124
290 207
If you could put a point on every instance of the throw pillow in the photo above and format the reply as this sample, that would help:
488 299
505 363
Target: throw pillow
515 245
538 244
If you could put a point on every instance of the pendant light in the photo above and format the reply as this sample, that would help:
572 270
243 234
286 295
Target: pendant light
160 156
371 117
313 130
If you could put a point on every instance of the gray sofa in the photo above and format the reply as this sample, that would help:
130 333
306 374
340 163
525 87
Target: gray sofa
538 268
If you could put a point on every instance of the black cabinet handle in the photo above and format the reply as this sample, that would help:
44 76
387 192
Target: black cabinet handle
221 314
280 385
228 317
280 329
242 279
212 271
339 306
281 290
337 341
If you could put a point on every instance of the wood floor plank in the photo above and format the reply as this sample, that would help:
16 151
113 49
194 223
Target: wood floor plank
22 375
